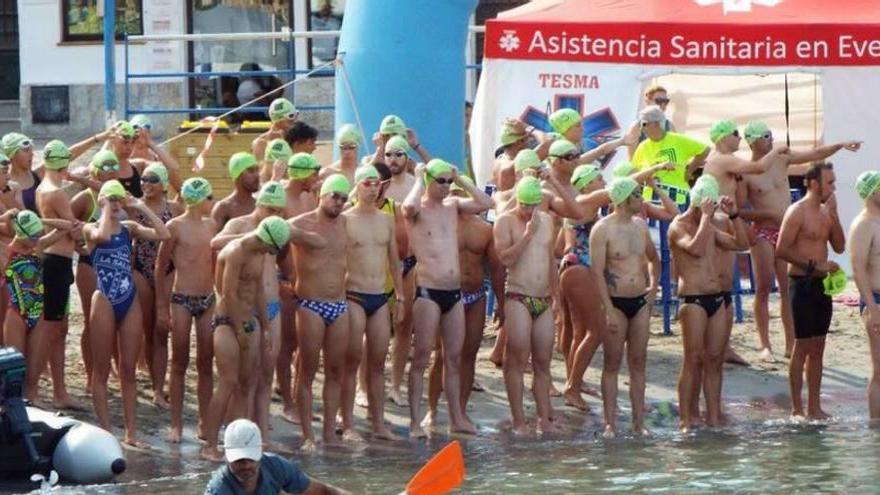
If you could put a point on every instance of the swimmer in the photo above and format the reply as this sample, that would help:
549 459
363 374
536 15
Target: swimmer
807 228
116 321
241 323
432 218
348 140
244 172
373 252
188 299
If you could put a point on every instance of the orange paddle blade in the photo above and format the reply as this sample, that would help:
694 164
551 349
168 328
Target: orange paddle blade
444 472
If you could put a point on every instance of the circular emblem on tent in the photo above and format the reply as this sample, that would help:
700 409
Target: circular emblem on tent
509 41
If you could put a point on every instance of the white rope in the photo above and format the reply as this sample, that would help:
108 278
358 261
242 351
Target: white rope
354 106
279 88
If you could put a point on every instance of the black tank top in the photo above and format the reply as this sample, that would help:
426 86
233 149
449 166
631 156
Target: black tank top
133 183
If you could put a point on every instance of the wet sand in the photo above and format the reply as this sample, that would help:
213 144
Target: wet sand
756 392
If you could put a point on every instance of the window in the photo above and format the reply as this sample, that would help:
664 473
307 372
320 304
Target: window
238 16
325 15
83 20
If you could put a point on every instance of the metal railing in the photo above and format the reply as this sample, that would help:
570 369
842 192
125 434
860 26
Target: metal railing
286 35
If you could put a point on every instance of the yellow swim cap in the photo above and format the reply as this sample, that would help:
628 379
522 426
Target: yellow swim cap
272 195
277 150
112 189
240 162
302 166
274 232
528 191
336 183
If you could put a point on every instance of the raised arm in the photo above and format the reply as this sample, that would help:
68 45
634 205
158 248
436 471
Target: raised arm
413 202
696 244
563 202
157 231
822 152
509 250
477 201
667 209
739 240
695 163
173 167
838 241
415 143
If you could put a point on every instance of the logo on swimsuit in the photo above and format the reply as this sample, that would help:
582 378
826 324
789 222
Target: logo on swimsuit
738 5
599 126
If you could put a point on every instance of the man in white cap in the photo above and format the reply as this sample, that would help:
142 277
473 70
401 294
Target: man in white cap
249 470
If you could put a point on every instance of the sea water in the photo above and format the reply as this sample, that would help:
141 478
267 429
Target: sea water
769 456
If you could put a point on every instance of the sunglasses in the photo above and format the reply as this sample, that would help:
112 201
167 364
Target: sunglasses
109 167
150 180
128 139
395 154
443 181
735 133
769 135
569 156
5 164
637 193
339 197
115 199
661 101
371 182
146 126
349 147
210 197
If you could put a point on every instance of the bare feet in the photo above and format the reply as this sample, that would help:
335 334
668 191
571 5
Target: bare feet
797 416
554 392
133 443
520 430
731 357
416 432
573 398
383 433
174 435
309 446
609 432
290 415
586 389
160 400
767 355
397 399
818 415
546 427
462 429
429 421
360 399
641 431
211 453
497 360
477 387
352 436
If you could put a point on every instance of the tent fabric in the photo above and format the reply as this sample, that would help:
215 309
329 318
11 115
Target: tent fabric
690 32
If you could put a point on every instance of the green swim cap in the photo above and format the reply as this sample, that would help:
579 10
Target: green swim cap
195 190
277 150
562 147
721 129
867 183
302 166
511 133
112 189
526 159
835 283
56 155
465 179
240 162
435 168
12 142
159 171
27 224
281 109
397 143
103 157
706 187
583 175
336 183
392 124
755 130
140 120
623 169
620 189
274 232
272 195
348 134
124 129
364 173
564 119
528 191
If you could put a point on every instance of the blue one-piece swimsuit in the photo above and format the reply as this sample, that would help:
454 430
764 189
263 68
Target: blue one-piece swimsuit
112 263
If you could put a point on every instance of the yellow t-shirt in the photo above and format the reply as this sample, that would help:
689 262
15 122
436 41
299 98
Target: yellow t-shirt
674 147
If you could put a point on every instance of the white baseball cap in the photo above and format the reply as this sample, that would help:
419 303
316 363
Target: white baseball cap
242 440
